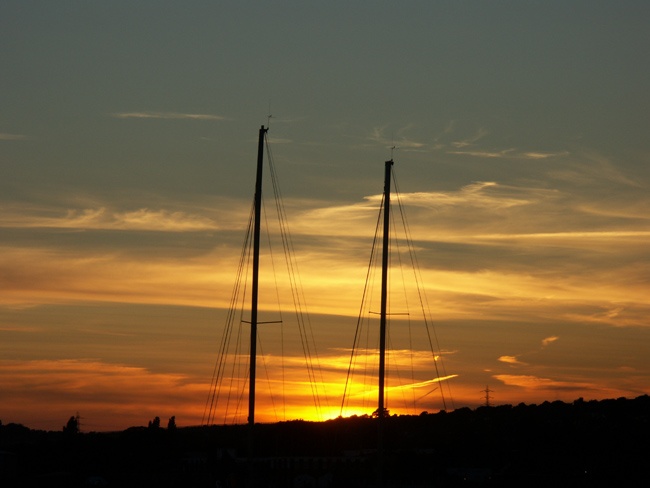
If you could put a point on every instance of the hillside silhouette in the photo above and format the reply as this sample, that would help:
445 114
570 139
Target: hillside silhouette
583 443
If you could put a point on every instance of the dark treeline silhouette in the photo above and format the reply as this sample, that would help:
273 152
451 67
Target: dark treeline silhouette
583 443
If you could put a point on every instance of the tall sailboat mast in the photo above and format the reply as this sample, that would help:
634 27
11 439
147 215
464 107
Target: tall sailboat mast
255 284
384 290
381 408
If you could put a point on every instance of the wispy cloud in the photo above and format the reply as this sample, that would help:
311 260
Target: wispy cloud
487 194
425 383
633 313
102 218
398 140
542 155
510 360
453 139
470 141
593 168
449 129
11 137
549 340
567 236
516 361
536 382
166 115
511 153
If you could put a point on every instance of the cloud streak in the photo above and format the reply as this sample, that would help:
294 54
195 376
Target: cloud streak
535 382
549 340
511 153
167 116
470 141
12 137
104 218
510 360
399 141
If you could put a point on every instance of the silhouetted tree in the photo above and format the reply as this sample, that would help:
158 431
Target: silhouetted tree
155 423
375 414
72 427
171 424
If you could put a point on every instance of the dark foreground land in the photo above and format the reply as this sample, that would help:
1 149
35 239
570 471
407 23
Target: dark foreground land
595 443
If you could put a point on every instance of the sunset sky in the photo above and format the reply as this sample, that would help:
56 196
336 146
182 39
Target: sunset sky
128 139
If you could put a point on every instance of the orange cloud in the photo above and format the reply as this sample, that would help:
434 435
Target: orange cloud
549 340
510 360
534 382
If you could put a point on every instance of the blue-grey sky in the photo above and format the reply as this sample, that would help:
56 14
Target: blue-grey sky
127 152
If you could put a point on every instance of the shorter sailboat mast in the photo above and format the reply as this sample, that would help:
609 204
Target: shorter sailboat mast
384 291
255 284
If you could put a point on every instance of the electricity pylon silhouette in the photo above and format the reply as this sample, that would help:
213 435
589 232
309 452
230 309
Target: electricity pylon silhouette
487 392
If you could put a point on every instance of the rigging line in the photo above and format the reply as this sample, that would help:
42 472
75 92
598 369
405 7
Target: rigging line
238 366
277 294
282 225
289 250
272 259
406 302
240 371
372 356
360 319
296 287
427 394
242 284
419 280
399 377
240 401
224 355
423 299
218 364
369 372
268 377
372 347
370 353
289 264
360 316
298 294
227 332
